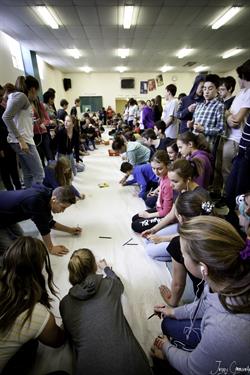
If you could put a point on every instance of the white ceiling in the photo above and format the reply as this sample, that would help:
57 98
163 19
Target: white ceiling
161 28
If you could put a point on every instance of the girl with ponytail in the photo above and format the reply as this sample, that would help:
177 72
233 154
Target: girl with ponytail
192 146
18 119
212 250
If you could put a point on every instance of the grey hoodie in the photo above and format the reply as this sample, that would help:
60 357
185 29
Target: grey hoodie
102 339
225 340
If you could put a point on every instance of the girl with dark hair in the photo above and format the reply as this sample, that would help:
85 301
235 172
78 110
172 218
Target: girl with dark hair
18 120
103 344
173 151
147 219
215 328
192 146
25 305
68 140
157 108
188 204
181 175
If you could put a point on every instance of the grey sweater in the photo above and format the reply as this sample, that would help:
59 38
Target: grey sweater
103 342
18 118
225 340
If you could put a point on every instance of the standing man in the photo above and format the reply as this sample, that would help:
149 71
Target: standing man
170 111
35 203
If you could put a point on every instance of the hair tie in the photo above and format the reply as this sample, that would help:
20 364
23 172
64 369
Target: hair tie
245 253
192 163
207 207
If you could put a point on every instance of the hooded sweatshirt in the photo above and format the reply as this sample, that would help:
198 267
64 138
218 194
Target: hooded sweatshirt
225 340
183 113
204 179
102 339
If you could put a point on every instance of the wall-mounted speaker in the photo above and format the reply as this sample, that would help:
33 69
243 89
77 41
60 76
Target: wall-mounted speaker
67 84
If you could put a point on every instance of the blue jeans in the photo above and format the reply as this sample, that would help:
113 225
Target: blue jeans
30 163
158 251
178 332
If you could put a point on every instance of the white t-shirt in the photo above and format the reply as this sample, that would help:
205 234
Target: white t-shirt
170 109
242 100
17 336
132 112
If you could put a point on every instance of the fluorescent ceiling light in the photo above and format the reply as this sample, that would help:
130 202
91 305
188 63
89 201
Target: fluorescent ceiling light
128 14
123 52
184 52
166 68
231 52
201 68
121 69
74 52
86 69
225 17
48 16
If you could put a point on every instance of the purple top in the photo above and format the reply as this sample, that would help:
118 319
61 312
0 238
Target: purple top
206 159
148 117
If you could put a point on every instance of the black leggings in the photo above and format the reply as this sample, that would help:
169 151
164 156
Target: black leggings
139 224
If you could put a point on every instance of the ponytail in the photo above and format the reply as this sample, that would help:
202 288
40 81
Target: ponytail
199 141
24 84
186 169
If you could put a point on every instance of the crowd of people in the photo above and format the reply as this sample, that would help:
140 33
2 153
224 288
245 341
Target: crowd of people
191 161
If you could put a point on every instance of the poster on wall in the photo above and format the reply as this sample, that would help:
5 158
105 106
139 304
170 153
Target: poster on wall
151 84
143 87
159 80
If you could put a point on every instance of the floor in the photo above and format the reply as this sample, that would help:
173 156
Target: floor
107 212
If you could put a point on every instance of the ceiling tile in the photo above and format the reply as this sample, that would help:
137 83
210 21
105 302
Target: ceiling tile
88 15
108 16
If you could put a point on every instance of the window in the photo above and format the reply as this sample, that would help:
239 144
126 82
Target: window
15 50
40 65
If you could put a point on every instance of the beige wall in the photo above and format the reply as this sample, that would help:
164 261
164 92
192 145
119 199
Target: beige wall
108 85
51 77
7 71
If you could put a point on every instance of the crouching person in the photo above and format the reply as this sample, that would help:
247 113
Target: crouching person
93 317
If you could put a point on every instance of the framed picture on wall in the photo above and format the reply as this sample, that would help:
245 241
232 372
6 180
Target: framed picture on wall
143 87
159 80
151 84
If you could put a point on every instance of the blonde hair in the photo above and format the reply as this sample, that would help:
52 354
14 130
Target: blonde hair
215 242
81 264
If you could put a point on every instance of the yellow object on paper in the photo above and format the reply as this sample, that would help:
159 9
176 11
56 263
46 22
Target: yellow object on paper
103 185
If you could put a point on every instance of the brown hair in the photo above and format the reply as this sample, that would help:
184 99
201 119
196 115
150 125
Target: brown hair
161 156
190 203
63 172
24 84
38 108
81 264
216 243
22 283
186 169
199 141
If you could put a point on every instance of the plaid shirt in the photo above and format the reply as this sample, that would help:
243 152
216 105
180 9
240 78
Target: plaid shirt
211 115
